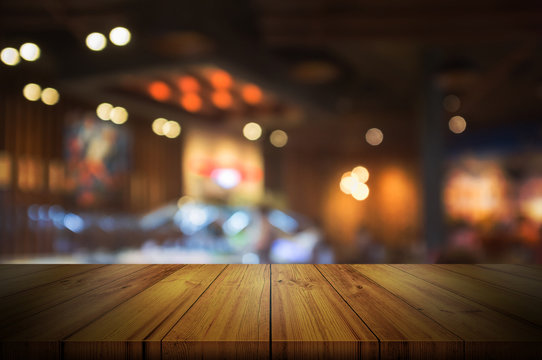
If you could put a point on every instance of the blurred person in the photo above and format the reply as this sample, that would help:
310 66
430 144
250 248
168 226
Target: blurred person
265 234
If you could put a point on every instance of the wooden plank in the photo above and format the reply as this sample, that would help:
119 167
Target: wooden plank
48 327
121 332
499 278
10 271
487 333
403 331
46 275
502 300
533 266
31 301
230 320
518 270
310 320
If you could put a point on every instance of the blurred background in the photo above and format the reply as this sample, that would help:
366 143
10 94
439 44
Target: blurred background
270 131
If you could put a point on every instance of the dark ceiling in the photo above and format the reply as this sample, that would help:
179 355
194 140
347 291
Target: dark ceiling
355 63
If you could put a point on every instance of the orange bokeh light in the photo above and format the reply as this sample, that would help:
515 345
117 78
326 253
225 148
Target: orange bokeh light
251 94
188 84
221 79
222 99
159 90
191 102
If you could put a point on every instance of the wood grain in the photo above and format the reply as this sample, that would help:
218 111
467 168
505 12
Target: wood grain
310 320
404 332
230 320
487 333
135 328
29 302
502 279
503 300
15 270
277 311
47 275
530 272
533 266
52 325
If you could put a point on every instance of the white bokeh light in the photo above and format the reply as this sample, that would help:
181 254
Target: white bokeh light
120 36
252 131
96 41
30 51
10 56
32 92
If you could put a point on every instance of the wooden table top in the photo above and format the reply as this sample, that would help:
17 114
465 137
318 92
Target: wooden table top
270 311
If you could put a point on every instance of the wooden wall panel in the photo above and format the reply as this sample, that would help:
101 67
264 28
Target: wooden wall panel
31 137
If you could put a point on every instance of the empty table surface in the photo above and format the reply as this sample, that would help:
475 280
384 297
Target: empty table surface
270 311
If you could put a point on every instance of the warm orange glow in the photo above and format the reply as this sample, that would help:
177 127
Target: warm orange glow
191 102
30 174
530 199
5 169
398 199
188 84
476 194
221 79
56 176
251 94
342 215
159 90
222 99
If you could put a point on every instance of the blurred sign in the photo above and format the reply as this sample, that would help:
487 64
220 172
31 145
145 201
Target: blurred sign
222 167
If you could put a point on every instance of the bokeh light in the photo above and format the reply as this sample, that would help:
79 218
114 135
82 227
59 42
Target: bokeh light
171 129
10 56
96 41
157 126
251 94
159 90
188 84
451 103
361 173
50 96
347 183
457 124
353 183
360 191
184 200
30 51
191 102
104 111
32 92
374 136
278 138
120 36
252 131
119 115
221 79
222 99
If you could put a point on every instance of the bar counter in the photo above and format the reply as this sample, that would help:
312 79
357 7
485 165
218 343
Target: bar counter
270 311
